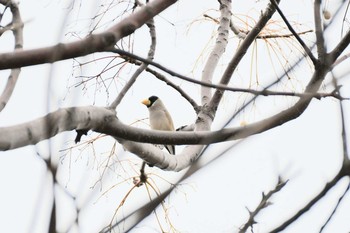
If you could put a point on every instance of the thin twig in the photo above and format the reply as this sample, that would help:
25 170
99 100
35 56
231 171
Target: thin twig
335 208
288 35
240 53
224 87
311 203
344 18
167 81
240 33
346 161
143 66
262 205
297 37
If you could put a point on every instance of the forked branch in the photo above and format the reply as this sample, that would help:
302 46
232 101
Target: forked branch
17 28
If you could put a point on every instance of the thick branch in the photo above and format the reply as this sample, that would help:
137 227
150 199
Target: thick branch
218 50
17 29
103 120
321 50
52 124
339 49
95 43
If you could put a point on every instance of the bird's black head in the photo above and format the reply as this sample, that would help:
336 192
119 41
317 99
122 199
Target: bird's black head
152 99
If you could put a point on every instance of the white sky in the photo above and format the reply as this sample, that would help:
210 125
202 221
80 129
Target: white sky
307 151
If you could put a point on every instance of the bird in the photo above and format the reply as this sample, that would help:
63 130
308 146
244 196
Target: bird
159 117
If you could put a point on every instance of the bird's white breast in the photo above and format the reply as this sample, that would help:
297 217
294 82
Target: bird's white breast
158 120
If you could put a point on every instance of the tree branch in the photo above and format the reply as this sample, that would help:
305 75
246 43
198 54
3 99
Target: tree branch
308 206
167 81
103 120
264 92
335 208
297 37
241 33
240 53
340 60
344 171
321 50
262 205
339 49
74 118
346 159
142 67
100 42
218 50
17 29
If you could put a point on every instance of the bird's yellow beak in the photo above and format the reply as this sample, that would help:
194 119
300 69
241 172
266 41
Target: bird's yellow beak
146 102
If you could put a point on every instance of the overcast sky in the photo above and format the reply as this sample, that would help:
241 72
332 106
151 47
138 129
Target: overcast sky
306 151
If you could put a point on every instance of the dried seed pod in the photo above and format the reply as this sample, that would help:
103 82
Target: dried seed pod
327 15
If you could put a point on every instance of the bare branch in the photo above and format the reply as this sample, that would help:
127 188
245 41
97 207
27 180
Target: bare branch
52 225
340 60
339 49
321 50
142 67
138 141
344 171
218 50
241 33
104 121
17 29
130 220
262 205
168 82
297 37
10 86
311 203
53 123
94 43
273 36
335 208
346 160
226 77
264 92
237 31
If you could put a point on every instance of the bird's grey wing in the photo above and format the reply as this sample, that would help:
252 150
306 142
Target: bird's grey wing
170 120
170 148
